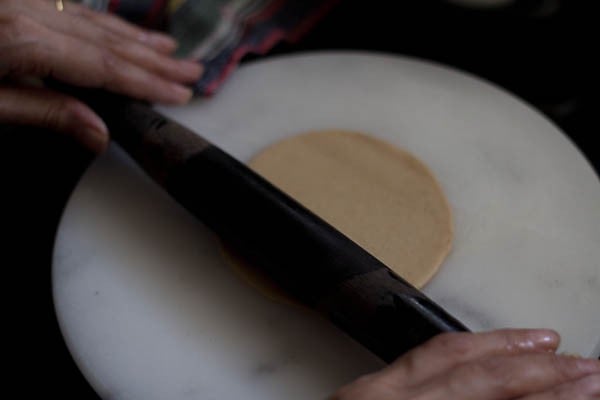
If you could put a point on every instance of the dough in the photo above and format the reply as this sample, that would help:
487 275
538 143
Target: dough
380 196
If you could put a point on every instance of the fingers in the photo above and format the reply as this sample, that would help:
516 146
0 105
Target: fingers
71 60
183 71
508 377
498 365
159 41
84 48
583 389
44 108
449 350
126 31
127 45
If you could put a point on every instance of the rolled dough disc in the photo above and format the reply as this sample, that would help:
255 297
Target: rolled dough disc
378 195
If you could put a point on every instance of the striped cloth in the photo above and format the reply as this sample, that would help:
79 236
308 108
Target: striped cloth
218 33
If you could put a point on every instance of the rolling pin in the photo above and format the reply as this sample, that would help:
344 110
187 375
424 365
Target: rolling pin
300 252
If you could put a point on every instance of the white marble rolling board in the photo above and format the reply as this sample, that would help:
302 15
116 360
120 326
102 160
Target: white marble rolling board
150 310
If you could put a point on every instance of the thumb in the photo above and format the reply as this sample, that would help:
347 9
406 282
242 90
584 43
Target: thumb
56 111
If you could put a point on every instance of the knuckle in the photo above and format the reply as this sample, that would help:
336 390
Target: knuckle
582 389
474 370
61 112
494 372
31 58
70 108
562 366
362 388
497 369
111 66
409 363
121 48
16 27
109 60
463 375
502 375
591 384
109 38
52 115
113 40
38 55
455 345
24 51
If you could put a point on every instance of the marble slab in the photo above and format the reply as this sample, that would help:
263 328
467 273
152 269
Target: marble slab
150 310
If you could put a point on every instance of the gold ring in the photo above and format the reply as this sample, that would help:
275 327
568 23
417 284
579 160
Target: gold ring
60 6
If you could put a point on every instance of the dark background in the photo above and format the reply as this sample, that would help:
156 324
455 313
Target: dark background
541 50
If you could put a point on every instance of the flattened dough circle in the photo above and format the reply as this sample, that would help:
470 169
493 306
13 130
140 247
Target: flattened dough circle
380 196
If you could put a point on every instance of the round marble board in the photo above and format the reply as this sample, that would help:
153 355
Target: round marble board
150 309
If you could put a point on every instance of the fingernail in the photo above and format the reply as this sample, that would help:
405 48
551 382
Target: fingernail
543 339
179 94
95 140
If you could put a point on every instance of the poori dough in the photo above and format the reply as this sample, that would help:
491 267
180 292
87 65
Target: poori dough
380 196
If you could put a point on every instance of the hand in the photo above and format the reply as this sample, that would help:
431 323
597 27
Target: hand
499 365
85 48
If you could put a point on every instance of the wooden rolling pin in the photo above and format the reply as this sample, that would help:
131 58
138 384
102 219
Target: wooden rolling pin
303 254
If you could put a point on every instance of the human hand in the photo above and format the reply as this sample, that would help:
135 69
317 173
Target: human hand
498 365
85 48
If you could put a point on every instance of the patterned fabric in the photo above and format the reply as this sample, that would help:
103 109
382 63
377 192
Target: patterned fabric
218 33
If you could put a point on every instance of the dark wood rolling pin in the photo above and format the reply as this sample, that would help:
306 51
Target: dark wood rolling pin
302 253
